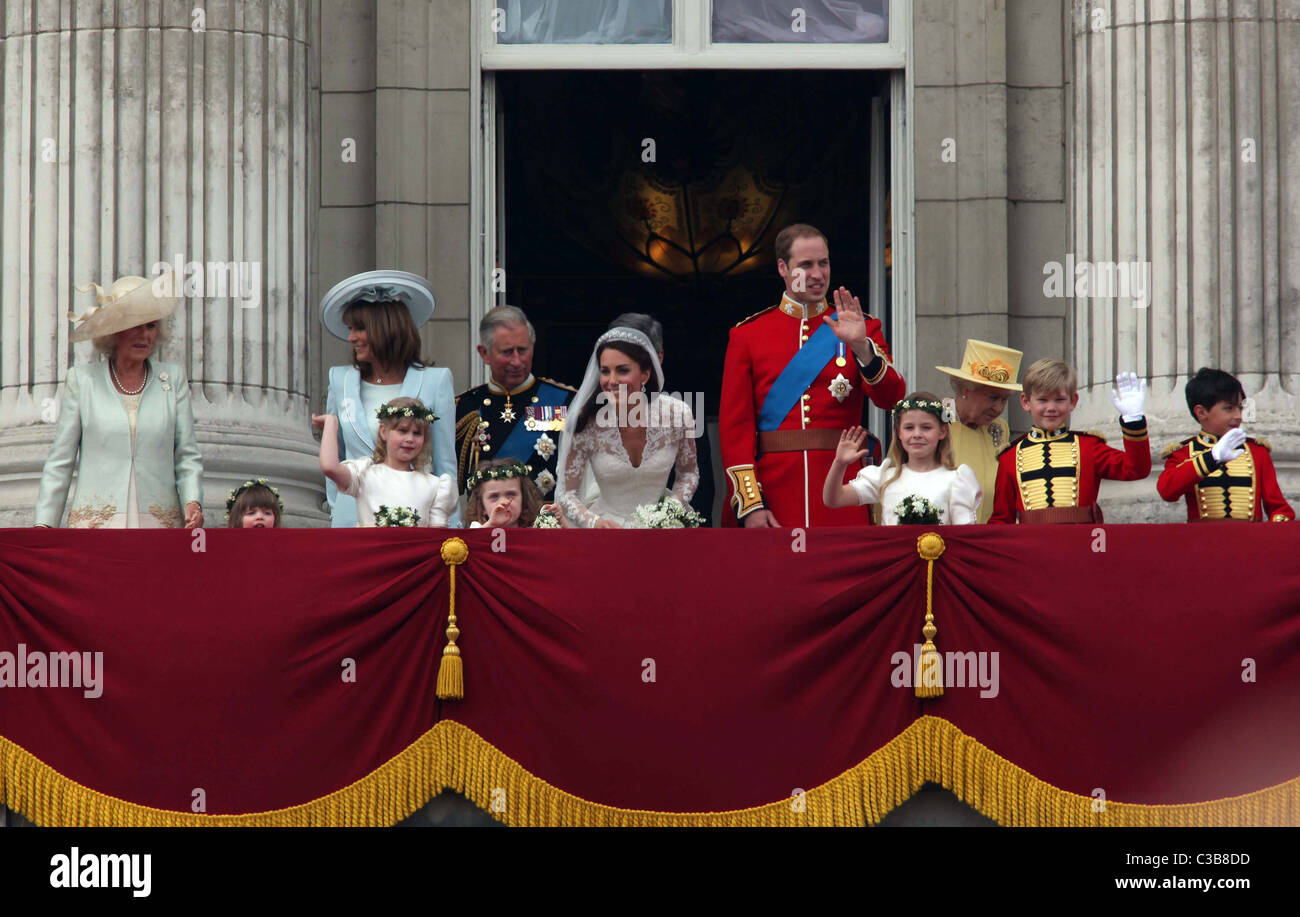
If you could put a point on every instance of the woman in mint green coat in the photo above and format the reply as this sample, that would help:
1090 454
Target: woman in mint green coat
125 422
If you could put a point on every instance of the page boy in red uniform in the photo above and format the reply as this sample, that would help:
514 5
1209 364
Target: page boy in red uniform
1052 473
1223 474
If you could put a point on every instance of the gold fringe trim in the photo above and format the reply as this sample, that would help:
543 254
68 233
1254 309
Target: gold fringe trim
452 756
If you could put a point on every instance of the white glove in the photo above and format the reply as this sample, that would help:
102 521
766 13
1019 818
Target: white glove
1129 395
1229 446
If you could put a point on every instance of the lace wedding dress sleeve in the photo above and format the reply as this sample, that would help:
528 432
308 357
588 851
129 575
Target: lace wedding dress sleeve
964 497
580 450
686 466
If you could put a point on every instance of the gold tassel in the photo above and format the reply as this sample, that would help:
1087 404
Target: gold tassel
451 676
929 668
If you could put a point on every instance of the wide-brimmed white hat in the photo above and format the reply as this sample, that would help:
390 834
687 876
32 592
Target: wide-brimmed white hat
411 290
129 302
988 364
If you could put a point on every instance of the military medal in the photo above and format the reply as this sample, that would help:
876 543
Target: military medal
545 417
839 357
508 415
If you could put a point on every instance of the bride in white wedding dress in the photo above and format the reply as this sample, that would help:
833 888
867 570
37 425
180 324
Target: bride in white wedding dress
628 432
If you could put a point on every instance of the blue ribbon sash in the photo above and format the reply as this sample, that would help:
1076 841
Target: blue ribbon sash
798 374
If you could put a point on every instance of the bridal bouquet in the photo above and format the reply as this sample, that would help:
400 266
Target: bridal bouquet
546 520
396 515
914 510
667 513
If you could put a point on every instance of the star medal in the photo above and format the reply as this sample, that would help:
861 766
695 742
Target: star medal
840 387
508 415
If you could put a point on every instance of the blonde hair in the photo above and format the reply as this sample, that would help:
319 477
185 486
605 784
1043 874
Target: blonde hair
1048 377
105 346
898 455
530 495
424 458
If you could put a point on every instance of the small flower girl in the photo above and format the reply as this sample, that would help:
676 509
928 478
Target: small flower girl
500 493
919 473
394 487
255 504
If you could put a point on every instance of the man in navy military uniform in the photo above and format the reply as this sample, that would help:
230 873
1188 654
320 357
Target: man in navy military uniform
514 414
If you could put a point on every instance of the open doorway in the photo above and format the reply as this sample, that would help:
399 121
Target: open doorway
662 192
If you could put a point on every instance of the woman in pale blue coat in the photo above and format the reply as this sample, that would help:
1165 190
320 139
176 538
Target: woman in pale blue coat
125 424
379 313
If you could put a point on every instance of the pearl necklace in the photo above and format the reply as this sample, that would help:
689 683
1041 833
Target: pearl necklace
118 382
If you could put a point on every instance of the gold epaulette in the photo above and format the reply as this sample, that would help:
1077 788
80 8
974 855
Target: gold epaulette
1260 441
755 315
1174 447
567 388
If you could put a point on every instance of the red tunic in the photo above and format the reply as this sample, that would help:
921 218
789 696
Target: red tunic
1217 491
1015 491
790 483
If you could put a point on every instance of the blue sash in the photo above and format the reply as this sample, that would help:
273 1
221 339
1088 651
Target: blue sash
798 374
521 441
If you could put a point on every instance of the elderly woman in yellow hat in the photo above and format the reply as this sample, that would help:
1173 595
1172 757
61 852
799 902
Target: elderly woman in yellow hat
982 385
125 422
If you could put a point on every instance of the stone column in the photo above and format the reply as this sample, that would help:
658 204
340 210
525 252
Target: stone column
140 132
1186 157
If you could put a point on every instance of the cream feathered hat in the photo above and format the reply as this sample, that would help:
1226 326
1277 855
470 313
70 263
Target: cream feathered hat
129 302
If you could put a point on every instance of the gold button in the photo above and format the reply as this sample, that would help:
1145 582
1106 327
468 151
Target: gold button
487 400
536 399
487 448
806 396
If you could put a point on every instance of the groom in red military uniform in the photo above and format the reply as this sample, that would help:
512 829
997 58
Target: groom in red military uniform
795 376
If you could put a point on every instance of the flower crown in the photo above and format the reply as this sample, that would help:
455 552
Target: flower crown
412 411
256 482
943 410
517 470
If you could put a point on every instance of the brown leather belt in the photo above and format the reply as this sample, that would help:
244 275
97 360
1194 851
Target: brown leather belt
797 440
1058 514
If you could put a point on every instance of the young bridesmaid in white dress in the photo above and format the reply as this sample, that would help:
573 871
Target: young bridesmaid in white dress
919 464
396 481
